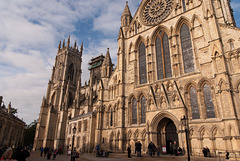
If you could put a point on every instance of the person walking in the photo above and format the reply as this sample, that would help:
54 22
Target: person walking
171 148
55 152
175 148
150 148
129 151
42 150
227 155
139 148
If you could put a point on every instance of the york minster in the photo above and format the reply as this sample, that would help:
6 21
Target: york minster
175 58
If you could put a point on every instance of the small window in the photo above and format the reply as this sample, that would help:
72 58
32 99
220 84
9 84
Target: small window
231 45
143 110
136 28
134 111
111 117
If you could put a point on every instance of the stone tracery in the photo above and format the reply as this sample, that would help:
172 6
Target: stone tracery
155 11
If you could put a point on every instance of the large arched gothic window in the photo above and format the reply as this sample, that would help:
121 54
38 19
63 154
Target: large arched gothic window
194 103
164 69
111 117
208 101
71 72
142 64
143 109
187 51
134 111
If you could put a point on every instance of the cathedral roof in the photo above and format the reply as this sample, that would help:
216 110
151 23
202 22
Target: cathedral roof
107 61
126 11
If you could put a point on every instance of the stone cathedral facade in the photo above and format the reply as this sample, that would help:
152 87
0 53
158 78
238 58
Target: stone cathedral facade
175 58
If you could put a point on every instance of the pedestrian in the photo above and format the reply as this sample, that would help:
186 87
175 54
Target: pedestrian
150 148
158 151
208 151
42 150
138 148
55 152
97 148
129 151
49 154
7 155
227 155
171 148
45 151
175 148
153 149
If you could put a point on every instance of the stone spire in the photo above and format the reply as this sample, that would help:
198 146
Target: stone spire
107 61
126 11
126 19
107 66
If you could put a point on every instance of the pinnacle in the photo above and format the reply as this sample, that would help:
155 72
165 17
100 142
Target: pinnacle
126 11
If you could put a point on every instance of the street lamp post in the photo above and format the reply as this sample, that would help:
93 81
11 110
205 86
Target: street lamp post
185 124
74 131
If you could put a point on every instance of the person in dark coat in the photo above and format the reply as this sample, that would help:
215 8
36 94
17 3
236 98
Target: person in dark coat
175 148
129 151
138 148
171 148
227 155
21 154
150 148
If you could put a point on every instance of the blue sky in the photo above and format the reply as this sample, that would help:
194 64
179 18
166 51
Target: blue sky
30 32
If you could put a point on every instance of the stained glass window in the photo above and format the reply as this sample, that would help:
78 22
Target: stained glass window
134 111
143 110
208 101
142 64
187 51
194 103
164 69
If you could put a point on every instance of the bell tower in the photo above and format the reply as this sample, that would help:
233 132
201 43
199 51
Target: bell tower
61 101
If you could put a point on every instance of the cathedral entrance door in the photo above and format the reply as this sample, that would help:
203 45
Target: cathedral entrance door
166 133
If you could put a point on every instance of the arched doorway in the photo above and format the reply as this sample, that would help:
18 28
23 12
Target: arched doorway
166 133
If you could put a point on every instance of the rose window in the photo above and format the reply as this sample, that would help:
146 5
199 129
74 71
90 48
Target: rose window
155 11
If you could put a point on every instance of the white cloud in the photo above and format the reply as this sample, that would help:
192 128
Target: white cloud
29 35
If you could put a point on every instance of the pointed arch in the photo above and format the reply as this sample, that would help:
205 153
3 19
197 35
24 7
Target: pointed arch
158 30
214 131
164 114
222 85
143 134
204 80
136 134
129 134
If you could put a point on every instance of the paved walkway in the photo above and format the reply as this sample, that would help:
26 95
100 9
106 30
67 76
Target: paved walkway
35 156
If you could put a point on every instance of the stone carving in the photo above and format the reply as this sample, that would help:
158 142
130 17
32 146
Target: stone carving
155 11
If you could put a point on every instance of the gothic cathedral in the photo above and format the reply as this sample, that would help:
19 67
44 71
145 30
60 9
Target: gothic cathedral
175 59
